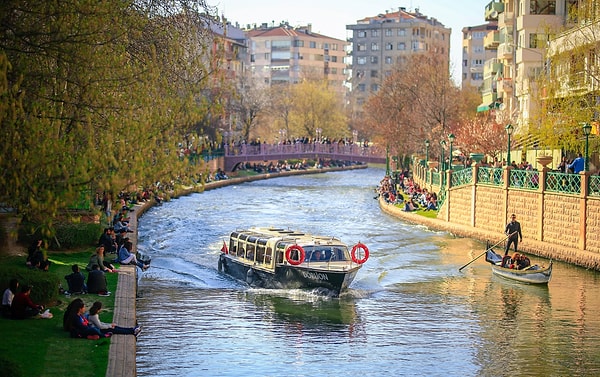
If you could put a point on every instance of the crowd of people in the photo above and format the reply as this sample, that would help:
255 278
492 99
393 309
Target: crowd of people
402 190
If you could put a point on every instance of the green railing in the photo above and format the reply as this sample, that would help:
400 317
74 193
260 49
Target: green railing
594 186
462 177
524 179
436 178
490 176
564 183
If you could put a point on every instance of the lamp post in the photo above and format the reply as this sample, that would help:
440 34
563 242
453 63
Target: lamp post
587 129
426 151
451 139
387 160
509 130
443 144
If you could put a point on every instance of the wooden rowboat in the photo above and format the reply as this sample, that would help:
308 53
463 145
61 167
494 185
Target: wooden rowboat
533 274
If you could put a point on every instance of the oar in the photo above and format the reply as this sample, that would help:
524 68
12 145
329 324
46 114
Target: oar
480 255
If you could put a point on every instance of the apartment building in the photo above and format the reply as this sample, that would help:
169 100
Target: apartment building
379 42
284 54
479 44
525 31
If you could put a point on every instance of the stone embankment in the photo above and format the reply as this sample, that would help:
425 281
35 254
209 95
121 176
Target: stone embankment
547 250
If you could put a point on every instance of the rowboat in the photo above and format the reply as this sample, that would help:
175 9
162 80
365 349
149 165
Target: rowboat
532 274
283 259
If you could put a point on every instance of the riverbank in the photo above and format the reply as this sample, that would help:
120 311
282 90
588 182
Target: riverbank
122 352
543 249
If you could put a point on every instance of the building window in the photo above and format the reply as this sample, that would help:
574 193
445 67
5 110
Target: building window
388 73
361 60
298 43
477 76
267 56
375 33
374 87
362 34
401 46
542 7
388 32
374 60
312 44
362 87
361 47
334 59
537 40
374 46
402 32
334 71
388 60
374 73
389 46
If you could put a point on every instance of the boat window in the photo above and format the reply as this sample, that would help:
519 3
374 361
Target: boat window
250 252
268 255
326 253
260 254
241 250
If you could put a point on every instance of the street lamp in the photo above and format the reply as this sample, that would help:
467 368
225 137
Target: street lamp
587 129
426 151
451 138
387 160
443 144
509 130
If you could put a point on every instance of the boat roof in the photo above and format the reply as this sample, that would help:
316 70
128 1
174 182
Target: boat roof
293 236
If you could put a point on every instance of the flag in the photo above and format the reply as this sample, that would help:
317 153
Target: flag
224 248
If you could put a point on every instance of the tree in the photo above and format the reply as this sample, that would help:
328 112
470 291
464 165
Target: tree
99 95
416 102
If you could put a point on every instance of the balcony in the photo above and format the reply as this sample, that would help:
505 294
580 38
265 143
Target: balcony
505 51
491 67
491 40
493 9
506 84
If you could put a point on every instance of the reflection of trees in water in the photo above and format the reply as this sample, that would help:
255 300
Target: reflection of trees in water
511 300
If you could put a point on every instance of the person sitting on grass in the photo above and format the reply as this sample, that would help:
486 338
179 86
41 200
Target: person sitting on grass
22 307
76 281
96 282
8 296
97 259
77 325
109 327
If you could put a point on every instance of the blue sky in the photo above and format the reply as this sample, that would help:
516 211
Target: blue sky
330 17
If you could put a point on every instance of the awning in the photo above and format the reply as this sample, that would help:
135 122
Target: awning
483 107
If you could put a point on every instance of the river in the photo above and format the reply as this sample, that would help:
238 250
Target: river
409 312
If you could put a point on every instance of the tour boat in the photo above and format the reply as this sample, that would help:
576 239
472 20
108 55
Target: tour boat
533 274
287 259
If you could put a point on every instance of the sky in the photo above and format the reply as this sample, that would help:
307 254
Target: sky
330 17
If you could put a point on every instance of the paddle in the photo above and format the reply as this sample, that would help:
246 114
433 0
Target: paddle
480 255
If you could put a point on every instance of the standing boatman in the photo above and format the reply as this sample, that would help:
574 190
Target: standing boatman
513 231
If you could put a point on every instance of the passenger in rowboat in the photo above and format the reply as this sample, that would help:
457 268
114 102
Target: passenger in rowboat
522 262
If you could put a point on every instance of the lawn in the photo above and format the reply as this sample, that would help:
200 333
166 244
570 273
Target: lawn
40 347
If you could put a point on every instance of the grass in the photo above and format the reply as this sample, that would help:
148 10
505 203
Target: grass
40 347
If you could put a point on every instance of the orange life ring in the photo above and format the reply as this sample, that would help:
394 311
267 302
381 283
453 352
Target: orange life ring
364 248
300 250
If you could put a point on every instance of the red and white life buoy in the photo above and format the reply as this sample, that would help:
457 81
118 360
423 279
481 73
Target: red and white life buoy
365 250
301 255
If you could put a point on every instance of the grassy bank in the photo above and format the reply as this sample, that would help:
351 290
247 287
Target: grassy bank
40 347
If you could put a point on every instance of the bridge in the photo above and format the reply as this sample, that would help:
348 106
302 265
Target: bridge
236 155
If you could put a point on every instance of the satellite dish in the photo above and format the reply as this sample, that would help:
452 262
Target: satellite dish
494 14
502 106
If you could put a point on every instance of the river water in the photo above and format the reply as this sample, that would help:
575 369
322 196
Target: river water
409 312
